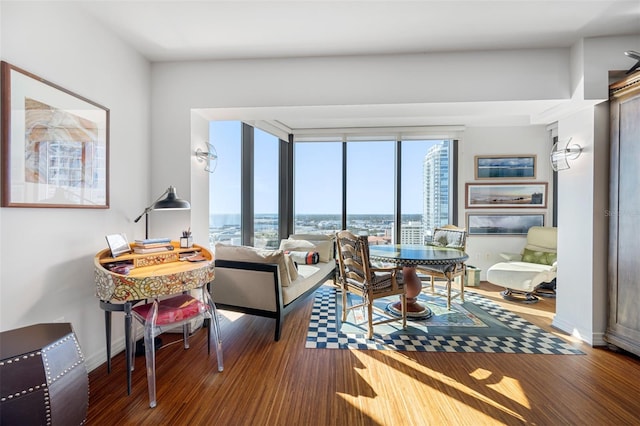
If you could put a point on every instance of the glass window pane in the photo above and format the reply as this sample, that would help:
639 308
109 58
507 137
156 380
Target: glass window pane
317 187
224 184
436 187
266 190
370 190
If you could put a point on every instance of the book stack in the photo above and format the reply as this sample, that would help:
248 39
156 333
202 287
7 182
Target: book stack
152 245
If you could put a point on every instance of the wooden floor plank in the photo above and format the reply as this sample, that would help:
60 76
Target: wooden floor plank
283 383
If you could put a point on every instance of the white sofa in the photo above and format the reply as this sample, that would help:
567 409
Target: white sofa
524 272
268 282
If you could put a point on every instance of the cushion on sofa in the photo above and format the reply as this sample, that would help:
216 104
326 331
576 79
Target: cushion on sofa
323 248
541 257
323 244
304 257
252 254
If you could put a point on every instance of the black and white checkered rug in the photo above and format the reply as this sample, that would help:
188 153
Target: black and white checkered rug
519 336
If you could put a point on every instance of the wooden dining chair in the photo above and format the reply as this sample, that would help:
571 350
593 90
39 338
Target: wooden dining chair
357 276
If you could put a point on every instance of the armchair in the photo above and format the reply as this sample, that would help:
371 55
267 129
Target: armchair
523 273
359 277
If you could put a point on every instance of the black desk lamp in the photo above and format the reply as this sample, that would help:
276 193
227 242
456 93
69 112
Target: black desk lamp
170 202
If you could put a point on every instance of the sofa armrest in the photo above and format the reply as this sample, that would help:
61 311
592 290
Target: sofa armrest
244 284
511 257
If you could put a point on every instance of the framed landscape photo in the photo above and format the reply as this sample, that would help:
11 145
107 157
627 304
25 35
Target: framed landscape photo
55 145
505 166
502 223
501 195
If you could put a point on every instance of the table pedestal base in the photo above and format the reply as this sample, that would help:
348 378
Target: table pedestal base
413 286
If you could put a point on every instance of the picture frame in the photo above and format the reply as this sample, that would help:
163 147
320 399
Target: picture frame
55 145
506 195
505 166
118 244
503 223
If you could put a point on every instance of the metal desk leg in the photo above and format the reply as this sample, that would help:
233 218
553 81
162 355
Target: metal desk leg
107 325
127 342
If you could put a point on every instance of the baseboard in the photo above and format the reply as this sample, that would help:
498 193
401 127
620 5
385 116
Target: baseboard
96 360
592 339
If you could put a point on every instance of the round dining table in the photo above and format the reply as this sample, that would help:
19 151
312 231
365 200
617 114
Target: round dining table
443 259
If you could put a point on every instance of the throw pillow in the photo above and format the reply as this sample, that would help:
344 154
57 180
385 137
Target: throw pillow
304 257
540 257
296 243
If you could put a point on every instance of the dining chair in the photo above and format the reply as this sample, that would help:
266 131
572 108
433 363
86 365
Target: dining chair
447 236
159 316
359 277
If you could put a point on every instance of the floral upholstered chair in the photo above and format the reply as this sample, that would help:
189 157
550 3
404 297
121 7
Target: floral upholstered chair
448 236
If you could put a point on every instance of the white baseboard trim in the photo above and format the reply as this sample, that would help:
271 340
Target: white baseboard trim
591 338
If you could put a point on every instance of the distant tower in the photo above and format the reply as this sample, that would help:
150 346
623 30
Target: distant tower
435 179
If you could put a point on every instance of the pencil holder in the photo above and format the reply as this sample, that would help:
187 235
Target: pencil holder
186 242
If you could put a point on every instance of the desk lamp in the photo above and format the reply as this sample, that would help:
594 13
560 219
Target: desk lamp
170 202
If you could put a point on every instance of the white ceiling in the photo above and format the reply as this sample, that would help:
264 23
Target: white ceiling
209 29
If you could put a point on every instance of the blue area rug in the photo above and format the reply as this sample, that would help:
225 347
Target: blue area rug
478 325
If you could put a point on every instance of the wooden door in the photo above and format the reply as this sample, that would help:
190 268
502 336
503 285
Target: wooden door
623 328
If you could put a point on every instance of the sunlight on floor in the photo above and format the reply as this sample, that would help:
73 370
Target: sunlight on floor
505 386
230 315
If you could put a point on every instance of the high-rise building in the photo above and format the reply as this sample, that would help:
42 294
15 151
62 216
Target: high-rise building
435 178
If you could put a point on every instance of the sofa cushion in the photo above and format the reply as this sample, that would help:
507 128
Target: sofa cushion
252 254
323 244
323 248
291 267
540 257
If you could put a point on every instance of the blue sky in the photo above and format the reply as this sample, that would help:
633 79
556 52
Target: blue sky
370 182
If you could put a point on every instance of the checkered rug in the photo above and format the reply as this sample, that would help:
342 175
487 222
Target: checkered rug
506 332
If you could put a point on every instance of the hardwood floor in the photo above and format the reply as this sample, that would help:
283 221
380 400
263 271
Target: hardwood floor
282 383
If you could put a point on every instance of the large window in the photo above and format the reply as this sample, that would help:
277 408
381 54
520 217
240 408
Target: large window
265 189
370 190
425 191
317 187
225 184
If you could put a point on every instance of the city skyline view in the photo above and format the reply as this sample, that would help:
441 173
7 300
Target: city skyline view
317 192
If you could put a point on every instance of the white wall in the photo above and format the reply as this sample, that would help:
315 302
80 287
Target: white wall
47 254
484 251
582 227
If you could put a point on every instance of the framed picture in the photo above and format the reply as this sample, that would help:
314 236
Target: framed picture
501 195
502 223
118 244
55 145
505 166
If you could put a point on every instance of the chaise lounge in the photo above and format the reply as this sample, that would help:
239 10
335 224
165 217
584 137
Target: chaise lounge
523 273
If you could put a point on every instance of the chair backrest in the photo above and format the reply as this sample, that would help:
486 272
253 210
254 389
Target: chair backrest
542 238
450 236
353 259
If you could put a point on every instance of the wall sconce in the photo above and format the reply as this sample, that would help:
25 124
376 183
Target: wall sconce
170 202
560 157
210 157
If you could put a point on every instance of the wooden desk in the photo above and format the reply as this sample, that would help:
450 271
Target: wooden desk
157 274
